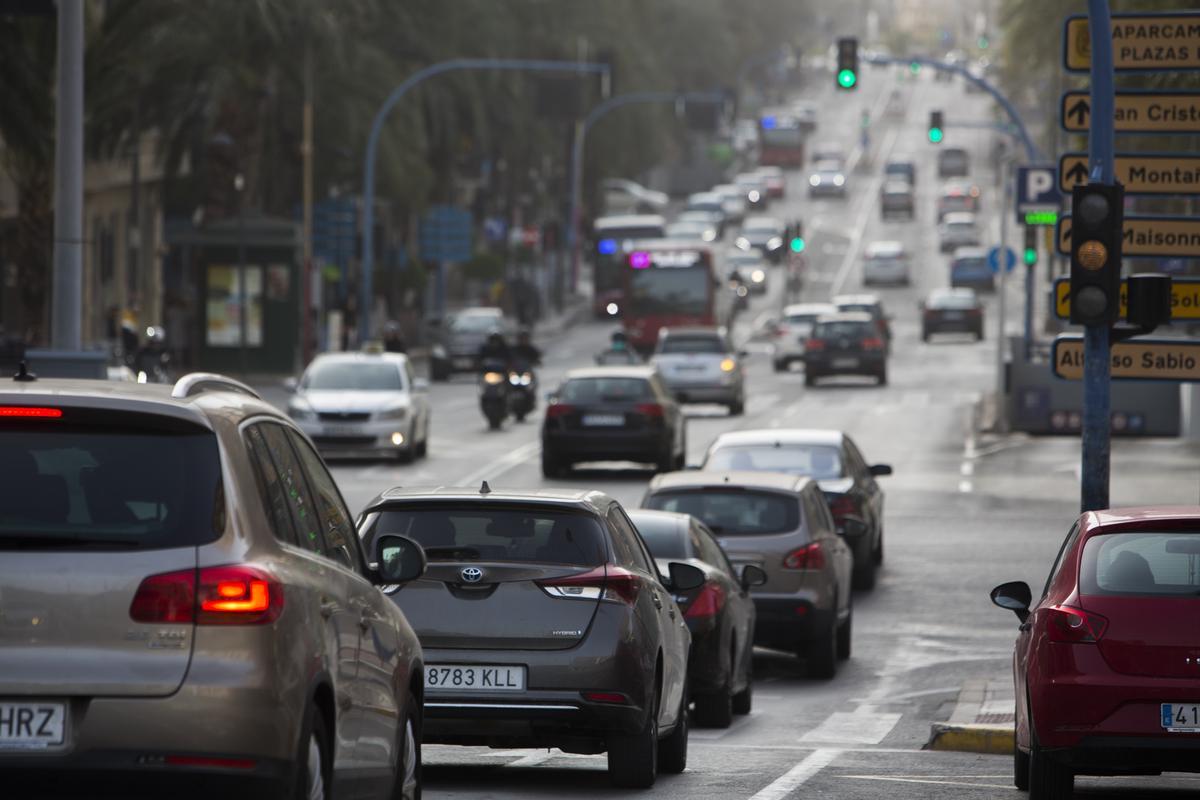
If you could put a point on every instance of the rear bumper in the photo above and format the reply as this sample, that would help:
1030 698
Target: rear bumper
784 623
953 326
371 436
602 445
866 364
693 393
1116 755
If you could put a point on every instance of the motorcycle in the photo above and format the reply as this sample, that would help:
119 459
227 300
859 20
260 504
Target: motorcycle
522 387
149 362
494 394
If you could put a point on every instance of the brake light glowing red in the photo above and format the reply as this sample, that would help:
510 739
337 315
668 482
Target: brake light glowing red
30 412
1074 625
811 556
815 344
708 602
232 595
653 410
872 343
555 410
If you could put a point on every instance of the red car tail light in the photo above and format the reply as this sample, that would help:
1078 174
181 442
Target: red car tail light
872 343
810 556
652 410
841 506
30 412
234 595
558 410
815 344
1074 625
610 582
708 603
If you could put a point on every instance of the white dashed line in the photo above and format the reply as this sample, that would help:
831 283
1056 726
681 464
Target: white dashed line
798 775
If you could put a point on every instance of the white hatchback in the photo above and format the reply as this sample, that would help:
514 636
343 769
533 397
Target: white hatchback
886 262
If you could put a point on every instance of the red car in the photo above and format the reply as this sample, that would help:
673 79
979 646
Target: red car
1107 663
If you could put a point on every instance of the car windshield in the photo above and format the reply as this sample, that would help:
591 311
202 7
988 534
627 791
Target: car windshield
474 323
732 512
109 485
816 461
671 290
475 532
350 376
601 390
1142 564
692 344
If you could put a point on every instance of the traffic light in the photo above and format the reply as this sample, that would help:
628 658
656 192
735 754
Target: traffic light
1097 220
937 130
1030 245
795 235
847 63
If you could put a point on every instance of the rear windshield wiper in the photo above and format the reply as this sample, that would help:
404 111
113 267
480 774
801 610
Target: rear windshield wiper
56 541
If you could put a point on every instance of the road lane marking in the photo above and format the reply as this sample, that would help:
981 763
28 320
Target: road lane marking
864 725
949 781
860 224
498 467
798 775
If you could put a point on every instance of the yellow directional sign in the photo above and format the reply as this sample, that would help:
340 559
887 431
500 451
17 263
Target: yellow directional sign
1136 359
1185 298
1147 237
1136 112
1140 42
1141 173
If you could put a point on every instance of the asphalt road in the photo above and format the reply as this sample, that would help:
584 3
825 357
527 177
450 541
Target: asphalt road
961 515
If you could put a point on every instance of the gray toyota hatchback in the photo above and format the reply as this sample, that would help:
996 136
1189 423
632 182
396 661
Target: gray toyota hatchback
545 623
184 602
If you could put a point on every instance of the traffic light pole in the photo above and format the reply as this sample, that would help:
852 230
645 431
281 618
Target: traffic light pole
575 200
453 65
1096 443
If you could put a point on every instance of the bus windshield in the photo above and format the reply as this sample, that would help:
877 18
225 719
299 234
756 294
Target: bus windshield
782 137
673 291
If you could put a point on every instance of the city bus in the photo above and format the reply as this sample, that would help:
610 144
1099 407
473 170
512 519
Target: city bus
672 283
614 238
781 141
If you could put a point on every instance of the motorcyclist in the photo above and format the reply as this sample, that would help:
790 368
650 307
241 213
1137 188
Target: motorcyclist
525 352
393 338
495 350
619 351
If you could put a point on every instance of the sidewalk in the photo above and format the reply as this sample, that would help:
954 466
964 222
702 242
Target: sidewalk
982 722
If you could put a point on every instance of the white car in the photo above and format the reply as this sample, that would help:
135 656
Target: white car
363 403
793 330
886 262
958 230
700 365
751 265
627 197
733 201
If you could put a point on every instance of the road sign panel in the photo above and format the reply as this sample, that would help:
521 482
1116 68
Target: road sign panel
1141 42
1185 298
994 256
1037 191
1140 173
1136 112
1147 237
1134 360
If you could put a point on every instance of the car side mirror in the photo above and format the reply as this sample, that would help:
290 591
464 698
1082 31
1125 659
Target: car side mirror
685 577
1016 596
852 528
879 470
753 575
399 559
291 384
420 385
743 353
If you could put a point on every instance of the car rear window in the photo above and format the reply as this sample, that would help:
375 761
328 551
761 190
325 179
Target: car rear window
475 323
109 485
692 344
833 330
349 376
952 301
665 541
494 533
973 262
1147 564
605 390
817 461
731 512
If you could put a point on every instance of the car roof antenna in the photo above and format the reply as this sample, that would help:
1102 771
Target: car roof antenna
23 374
485 489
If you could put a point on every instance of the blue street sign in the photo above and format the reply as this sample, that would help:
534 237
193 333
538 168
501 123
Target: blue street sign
445 234
1010 259
1037 190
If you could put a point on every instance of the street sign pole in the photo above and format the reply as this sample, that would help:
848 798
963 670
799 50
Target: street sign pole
1097 363
1001 313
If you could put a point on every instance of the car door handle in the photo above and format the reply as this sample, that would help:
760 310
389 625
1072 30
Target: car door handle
657 600
328 607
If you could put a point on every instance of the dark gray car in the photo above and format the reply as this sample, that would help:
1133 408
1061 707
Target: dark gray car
545 623
459 338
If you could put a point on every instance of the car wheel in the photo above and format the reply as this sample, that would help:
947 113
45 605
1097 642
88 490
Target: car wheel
551 466
313 760
864 575
673 750
979 336
877 556
844 633
681 459
1048 779
423 446
881 378
1020 768
633 758
810 379
737 407
924 336
743 701
715 710
820 655
407 785
780 366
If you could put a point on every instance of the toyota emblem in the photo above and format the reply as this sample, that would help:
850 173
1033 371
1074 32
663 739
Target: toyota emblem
472 574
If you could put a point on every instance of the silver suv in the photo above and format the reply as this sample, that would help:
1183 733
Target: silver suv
781 524
184 597
700 365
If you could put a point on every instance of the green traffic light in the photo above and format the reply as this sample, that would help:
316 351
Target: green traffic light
846 79
936 135
983 43
914 67
798 245
1030 256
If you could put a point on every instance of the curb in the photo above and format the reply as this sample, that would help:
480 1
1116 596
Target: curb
987 739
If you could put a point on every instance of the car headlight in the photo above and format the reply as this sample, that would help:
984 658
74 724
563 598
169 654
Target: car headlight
814 180
758 276
301 413
493 378
754 196
709 235
728 365
612 309
774 243
742 243
397 412
438 351
838 180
